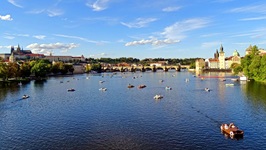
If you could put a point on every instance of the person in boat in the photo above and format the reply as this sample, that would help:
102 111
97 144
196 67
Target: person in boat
226 126
231 125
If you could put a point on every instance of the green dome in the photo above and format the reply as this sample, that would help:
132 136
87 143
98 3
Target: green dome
236 53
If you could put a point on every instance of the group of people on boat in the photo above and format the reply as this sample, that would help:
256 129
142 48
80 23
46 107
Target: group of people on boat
231 125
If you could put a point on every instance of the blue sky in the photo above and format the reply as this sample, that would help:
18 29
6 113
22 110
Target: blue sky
132 28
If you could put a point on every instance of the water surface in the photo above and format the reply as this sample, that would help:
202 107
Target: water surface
120 118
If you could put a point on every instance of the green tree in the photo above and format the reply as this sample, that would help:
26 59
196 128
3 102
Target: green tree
55 68
69 68
263 68
13 70
25 70
192 65
237 68
96 67
254 67
3 71
87 68
41 69
245 62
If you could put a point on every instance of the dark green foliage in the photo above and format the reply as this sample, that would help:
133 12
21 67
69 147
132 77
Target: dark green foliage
41 68
96 67
254 65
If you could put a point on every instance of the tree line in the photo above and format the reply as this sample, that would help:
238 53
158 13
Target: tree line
252 65
37 68
145 62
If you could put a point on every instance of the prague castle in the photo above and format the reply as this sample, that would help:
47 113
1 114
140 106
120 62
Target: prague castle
20 54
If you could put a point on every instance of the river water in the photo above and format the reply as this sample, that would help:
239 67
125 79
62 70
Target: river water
187 117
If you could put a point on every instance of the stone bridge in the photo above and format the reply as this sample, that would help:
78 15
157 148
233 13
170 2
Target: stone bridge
144 68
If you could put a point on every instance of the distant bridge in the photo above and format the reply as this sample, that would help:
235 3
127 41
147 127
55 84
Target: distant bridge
144 68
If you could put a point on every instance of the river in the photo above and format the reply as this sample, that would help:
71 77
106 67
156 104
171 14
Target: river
187 117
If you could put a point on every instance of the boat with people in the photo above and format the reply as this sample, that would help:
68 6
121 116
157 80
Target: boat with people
25 96
207 89
130 86
168 88
142 86
235 79
232 130
103 89
158 96
71 90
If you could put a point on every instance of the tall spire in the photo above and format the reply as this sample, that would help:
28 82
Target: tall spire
221 48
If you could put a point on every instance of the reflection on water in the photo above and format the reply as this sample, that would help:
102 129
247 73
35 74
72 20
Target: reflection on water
187 117
256 92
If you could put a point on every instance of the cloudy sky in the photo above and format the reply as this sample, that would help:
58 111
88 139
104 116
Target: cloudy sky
132 28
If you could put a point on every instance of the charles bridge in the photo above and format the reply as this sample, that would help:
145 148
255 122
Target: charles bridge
143 68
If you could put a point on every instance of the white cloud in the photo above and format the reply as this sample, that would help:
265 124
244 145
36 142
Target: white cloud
54 12
177 30
9 37
49 12
250 9
23 35
99 5
79 38
139 22
6 17
36 11
174 33
98 55
253 19
257 33
13 2
47 48
170 9
40 37
152 42
5 47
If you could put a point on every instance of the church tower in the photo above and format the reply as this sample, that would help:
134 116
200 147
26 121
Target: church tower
216 55
12 49
221 58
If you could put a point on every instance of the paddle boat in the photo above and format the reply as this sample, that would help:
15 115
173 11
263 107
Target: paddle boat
168 88
232 130
142 86
25 96
229 84
158 96
234 79
130 86
102 89
71 90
